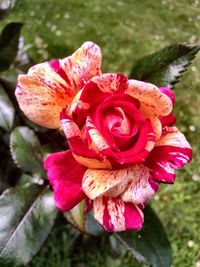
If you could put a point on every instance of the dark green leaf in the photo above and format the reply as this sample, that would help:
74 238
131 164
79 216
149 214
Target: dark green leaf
26 150
23 62
93 227
6 7
150 245
9 173
165 67
27 215
9 41
7 112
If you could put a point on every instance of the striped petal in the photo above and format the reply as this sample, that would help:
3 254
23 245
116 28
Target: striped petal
116 215
171 152
170 119
39 102
99 87
50 86
154 103
81 152
142 187
65 176
110 183
84 64
135 154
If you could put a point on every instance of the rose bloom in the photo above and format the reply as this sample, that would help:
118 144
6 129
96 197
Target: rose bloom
120 132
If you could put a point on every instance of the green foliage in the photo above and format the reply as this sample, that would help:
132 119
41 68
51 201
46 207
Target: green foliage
26 150
165 67
27 216
7 112
6 6
150 245
84 223
9 41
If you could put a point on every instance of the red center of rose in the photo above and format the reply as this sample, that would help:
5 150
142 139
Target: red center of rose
118 120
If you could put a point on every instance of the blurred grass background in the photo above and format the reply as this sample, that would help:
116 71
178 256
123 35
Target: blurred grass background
126 30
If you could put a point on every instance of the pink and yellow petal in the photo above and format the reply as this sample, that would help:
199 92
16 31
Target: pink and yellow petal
82 65
40 103
153 101
171 152
81 152
51 74
111 83
170 119
112 183
99 87
65 176
142 187
116 215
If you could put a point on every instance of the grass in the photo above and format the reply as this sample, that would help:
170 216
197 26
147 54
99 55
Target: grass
126 30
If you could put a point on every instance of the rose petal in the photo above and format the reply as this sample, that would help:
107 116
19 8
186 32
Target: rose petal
136 154
167 91
65 176
150 97
171 152
170 119
84 64
49 87
81 152
51 74
142 187
99 87
110 183
39 102
154 103
116 215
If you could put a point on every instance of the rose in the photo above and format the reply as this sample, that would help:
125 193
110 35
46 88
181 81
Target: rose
117 118
120 133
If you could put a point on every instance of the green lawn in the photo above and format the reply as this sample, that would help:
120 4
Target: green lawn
126 30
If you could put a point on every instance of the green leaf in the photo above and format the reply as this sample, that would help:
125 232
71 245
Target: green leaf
7 112
9 41
27 215
6 7
92 226
150 245
23 62
83 221
165 67
26 150
9 173
76 216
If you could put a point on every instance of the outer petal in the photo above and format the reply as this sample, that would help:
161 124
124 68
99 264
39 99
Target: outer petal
49 87
171 152
142 187
167 91
110 183
170 119
154 103
65 176
41 103
84 64
116 215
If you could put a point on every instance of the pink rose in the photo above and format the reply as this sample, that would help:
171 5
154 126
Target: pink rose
120 133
